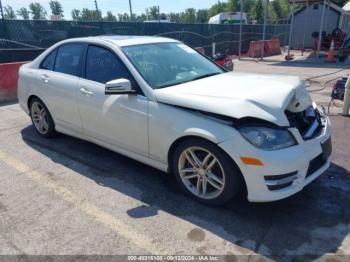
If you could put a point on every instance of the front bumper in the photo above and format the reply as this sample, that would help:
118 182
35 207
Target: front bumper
284 172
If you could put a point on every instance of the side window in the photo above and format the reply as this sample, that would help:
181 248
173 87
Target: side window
68 59
103 66
49 61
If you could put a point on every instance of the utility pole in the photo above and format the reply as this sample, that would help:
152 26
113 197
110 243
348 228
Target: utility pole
1 11
97 11
130 7
158 15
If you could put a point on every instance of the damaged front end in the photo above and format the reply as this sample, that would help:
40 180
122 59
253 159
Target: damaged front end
304 115
309 122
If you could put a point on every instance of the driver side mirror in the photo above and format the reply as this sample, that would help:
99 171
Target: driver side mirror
120 86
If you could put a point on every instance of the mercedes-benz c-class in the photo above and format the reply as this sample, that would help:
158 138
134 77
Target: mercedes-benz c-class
163 103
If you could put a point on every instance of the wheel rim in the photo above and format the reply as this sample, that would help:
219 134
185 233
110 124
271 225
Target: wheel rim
40 118
201 172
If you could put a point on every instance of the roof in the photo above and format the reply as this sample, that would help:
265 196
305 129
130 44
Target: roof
126 40
122 40
333 6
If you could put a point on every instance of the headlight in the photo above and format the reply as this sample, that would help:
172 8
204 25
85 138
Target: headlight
267 138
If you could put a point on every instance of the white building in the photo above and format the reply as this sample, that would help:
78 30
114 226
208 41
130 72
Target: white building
308 19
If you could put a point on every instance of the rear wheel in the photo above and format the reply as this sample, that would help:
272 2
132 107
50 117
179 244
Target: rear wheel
41 119
206 172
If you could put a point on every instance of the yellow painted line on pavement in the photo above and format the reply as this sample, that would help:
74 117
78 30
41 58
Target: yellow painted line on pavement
93 211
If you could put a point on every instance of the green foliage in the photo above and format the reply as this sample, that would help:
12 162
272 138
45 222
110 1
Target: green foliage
38 11
90 15
76 14
110 17
233 5
189 16
259 11
24 13
9 13
152 13
217 8
278 12
202 16
56 8
124 17
175 17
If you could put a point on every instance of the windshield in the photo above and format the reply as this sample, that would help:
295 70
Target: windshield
167 64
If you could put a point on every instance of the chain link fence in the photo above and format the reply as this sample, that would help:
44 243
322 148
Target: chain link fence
22 40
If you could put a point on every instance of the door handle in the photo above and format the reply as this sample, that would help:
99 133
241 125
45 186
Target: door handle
45 78
84 91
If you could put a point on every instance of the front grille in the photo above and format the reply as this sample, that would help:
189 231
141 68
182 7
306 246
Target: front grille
309 122
280 181
316 164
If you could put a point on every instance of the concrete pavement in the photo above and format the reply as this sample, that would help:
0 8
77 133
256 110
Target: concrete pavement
69 197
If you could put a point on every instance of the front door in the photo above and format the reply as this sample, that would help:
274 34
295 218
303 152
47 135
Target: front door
120 120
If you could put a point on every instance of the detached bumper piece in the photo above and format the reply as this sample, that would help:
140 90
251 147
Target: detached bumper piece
280 181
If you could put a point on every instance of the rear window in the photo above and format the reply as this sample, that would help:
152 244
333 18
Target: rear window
49 62
68 59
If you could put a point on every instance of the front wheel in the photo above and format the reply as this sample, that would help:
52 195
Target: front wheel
206 172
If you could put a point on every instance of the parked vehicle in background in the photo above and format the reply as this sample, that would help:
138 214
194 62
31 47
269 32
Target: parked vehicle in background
163 103
228 18
224 60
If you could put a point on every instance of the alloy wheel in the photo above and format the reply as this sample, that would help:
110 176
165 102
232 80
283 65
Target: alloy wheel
201 172
40 118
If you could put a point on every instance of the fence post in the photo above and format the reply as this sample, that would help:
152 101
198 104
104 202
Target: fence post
264 29
291 28
321 28
240 32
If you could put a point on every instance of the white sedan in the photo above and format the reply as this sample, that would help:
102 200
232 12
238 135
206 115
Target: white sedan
161 102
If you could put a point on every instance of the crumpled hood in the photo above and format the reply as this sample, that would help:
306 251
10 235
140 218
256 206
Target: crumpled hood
241 95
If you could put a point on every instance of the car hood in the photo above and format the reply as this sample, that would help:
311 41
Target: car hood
240 95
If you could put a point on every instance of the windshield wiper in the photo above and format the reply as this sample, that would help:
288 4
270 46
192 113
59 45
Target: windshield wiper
189 80
204 76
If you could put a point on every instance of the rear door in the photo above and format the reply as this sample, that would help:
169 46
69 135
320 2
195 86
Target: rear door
59 75
119 120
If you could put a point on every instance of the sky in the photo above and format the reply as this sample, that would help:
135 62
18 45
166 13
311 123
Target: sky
116 6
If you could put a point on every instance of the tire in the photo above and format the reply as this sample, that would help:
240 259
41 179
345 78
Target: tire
42 119
223 186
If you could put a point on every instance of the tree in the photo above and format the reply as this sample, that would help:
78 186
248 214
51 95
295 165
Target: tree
9 13
24 13
124 17
233 6
76 15
189 16
217 8
110 17
152 13
38 11
202 16
90 15
56 8
175 17
259 11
